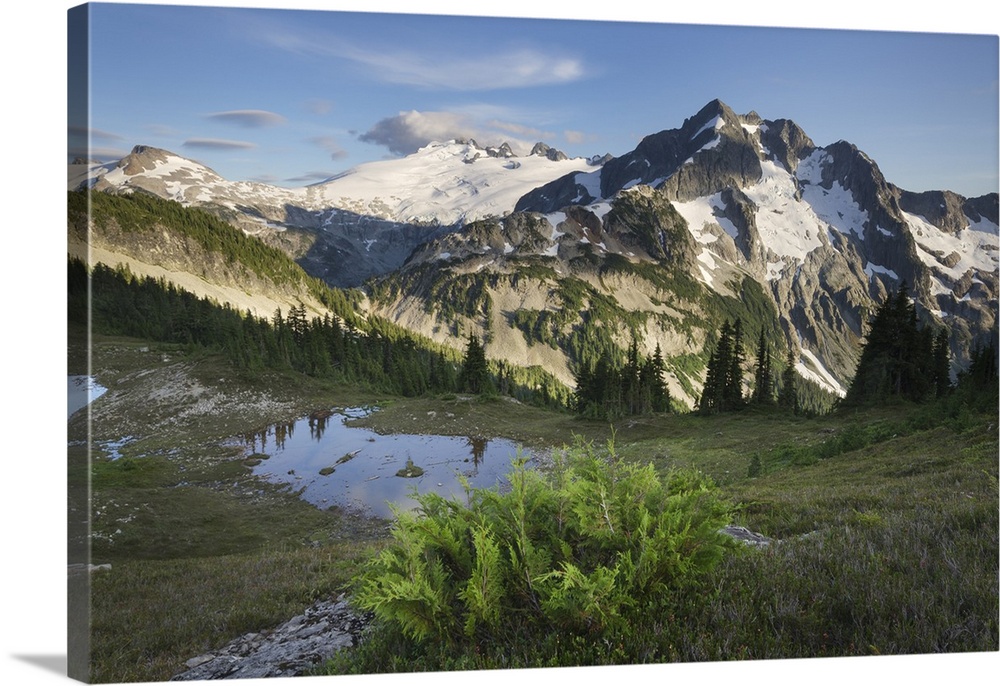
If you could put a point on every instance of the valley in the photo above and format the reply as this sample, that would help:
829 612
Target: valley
204 549
769 327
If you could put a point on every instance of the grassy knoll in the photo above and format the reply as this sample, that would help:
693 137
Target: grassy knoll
885 522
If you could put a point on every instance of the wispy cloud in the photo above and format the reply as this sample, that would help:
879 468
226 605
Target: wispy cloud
217 144
81 131
310 177
578 137
330 145
162 130
319 106
514 67
250 119
520 130
520 68
101 154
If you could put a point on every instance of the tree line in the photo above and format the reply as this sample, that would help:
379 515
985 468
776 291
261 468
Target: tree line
382 357
607 389
901 359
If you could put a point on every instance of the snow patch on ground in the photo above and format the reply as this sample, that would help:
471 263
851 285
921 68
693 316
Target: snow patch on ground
872 269
977 245
591 183
788 227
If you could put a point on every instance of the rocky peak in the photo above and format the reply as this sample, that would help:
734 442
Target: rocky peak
539 149
710 119
786 142
543 150
983 207
142 158
943 209
503 151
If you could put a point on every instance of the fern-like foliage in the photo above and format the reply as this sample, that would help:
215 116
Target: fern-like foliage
581 548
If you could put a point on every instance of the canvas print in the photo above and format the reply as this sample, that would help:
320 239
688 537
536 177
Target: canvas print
421 343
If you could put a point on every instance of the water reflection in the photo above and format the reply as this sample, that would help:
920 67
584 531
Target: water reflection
478 445
331 464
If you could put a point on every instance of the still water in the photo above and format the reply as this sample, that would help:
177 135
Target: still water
332 464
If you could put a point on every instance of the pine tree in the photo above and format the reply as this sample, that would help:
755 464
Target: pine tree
660 391
723 378
475 374
982 372
788 395
733 392
763 390
942 364
899 358
631 386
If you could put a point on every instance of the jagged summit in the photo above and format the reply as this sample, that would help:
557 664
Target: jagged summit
725 201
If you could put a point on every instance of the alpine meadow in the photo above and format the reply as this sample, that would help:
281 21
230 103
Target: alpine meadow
485 403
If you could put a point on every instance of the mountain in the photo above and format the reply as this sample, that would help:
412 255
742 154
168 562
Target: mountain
726 215
358 224
554 261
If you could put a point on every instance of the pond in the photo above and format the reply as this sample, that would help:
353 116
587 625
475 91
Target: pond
332 464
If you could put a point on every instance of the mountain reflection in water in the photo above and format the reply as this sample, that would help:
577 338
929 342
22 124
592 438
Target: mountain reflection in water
332 464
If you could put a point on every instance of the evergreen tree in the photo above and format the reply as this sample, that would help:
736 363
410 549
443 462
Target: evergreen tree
631 387
942 364
788 395
763 390
713 393
660 392
733 393
475 374
723 389
899 358
982 372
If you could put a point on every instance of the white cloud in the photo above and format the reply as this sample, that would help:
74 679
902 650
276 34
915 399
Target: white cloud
319 106
512 69
329 143
217 144
250 119
438 69
408 131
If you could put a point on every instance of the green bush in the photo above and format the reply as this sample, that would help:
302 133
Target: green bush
584 549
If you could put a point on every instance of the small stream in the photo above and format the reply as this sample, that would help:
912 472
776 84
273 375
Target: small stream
332 464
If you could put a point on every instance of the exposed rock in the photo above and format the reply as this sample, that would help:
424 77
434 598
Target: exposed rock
941 208
503 151
288 650
786 142
751 538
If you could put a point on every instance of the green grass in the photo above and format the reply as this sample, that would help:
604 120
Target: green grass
886 522
890 549
149 616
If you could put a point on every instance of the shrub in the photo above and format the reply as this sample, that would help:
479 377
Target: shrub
584 549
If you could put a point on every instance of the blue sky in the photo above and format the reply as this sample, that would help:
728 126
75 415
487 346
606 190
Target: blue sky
962 154
295 96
